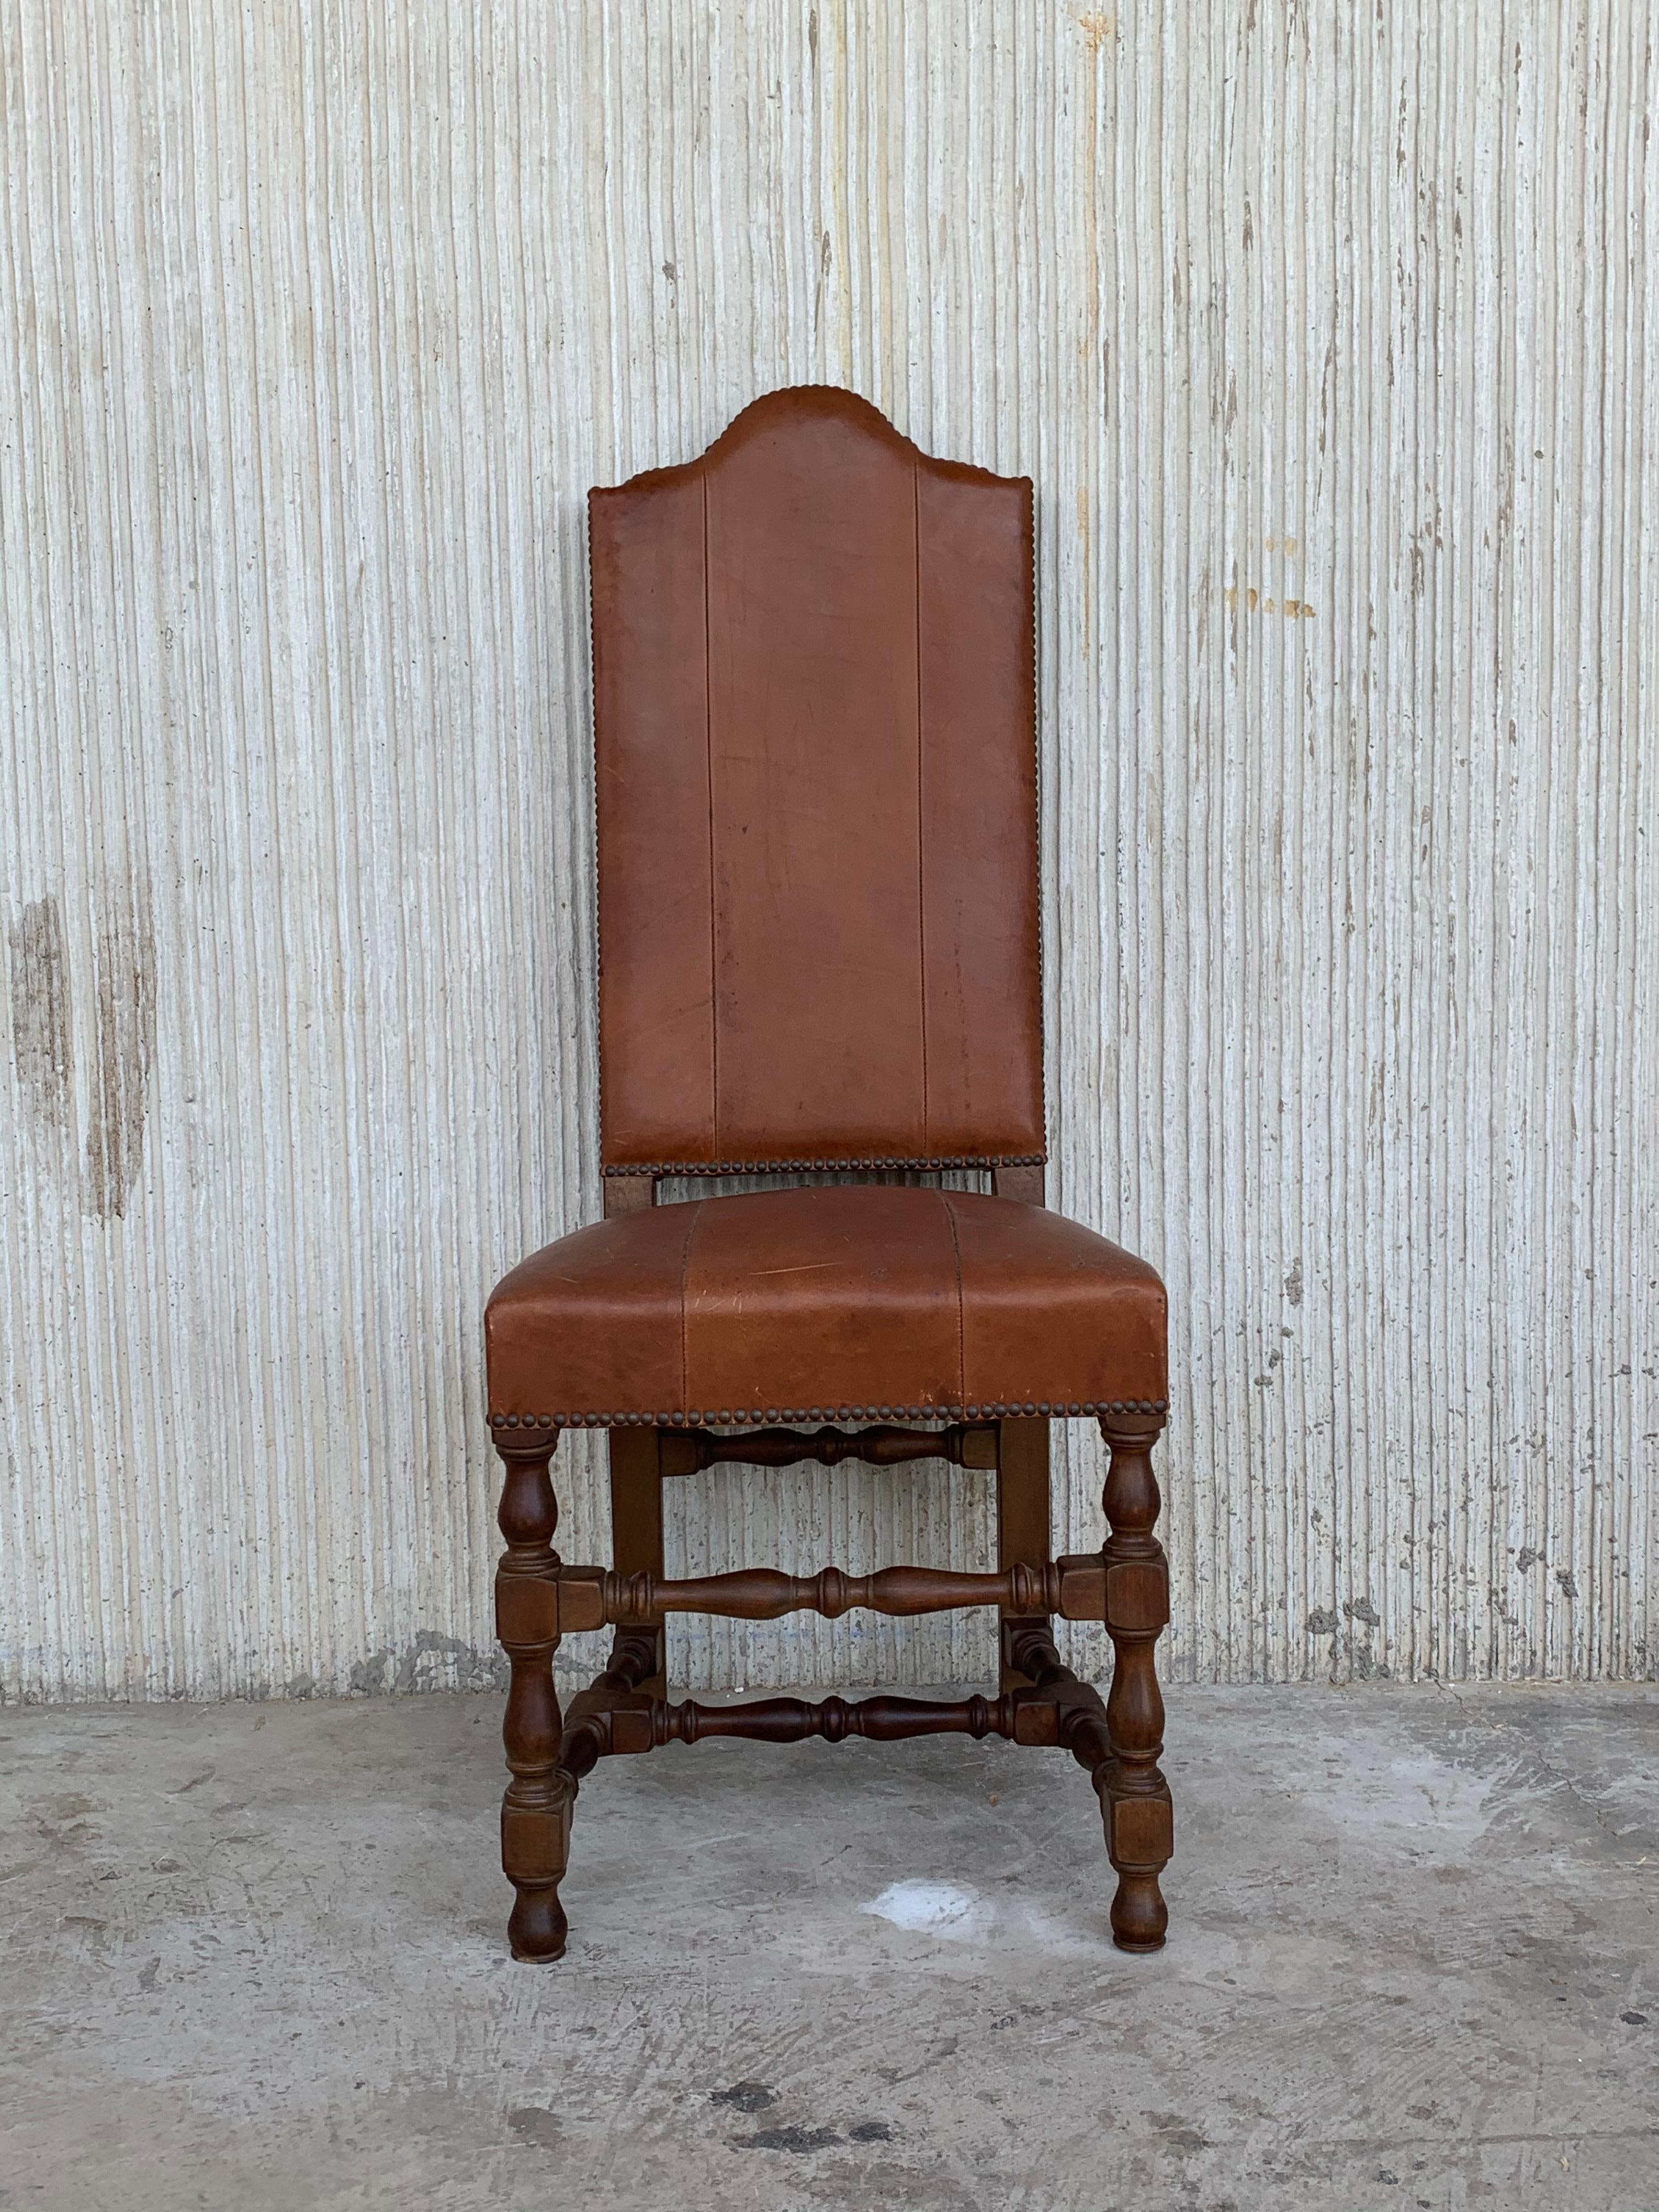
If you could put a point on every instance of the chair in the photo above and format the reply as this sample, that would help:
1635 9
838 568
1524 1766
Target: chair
815 734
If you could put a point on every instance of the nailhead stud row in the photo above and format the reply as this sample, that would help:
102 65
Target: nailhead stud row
779 1167
740 1418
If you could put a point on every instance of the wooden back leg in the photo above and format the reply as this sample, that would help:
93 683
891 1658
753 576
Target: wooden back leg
1023 1522
636 1459
636 1523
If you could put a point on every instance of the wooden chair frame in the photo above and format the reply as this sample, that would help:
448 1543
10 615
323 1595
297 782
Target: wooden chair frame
540 1599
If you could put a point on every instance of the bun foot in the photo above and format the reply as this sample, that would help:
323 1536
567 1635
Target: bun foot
1140 1916
537 1927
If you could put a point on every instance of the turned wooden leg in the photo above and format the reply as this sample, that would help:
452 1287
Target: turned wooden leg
536 1809
1135 1798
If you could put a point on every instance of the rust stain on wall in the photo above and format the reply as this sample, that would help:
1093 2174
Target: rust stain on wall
42 1041
123 986
1264 603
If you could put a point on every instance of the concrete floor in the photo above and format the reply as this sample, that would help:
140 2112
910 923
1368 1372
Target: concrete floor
253 1958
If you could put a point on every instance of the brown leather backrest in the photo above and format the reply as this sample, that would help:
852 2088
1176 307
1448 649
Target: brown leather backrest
814 711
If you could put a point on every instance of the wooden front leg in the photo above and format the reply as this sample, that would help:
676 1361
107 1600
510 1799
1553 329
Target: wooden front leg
536 1809
1139 1821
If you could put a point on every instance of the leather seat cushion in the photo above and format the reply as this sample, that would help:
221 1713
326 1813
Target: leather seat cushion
855 1301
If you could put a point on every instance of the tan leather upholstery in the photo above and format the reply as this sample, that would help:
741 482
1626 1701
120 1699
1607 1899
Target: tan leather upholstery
850 1302
816 786
817 867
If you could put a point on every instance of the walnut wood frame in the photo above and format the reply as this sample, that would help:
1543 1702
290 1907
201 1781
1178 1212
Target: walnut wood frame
540 1599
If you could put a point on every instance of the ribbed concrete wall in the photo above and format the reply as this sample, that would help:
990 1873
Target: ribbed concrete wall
1327 336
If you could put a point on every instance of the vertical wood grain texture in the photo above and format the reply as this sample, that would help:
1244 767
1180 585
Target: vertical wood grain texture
1328 337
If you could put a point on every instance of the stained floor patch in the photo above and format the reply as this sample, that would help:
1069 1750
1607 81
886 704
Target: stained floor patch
933 1908
745 2097
535 2123
791 2139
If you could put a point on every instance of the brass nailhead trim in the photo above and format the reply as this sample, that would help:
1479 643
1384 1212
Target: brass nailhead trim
781 1167
743 1417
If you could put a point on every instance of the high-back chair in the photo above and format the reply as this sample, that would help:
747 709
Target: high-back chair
815 776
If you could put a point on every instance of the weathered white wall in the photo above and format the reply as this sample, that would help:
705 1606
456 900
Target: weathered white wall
1327 336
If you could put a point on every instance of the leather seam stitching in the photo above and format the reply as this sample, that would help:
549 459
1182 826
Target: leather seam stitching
934 1165
709 761
1036 832
962 1302
921 818
697 1204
